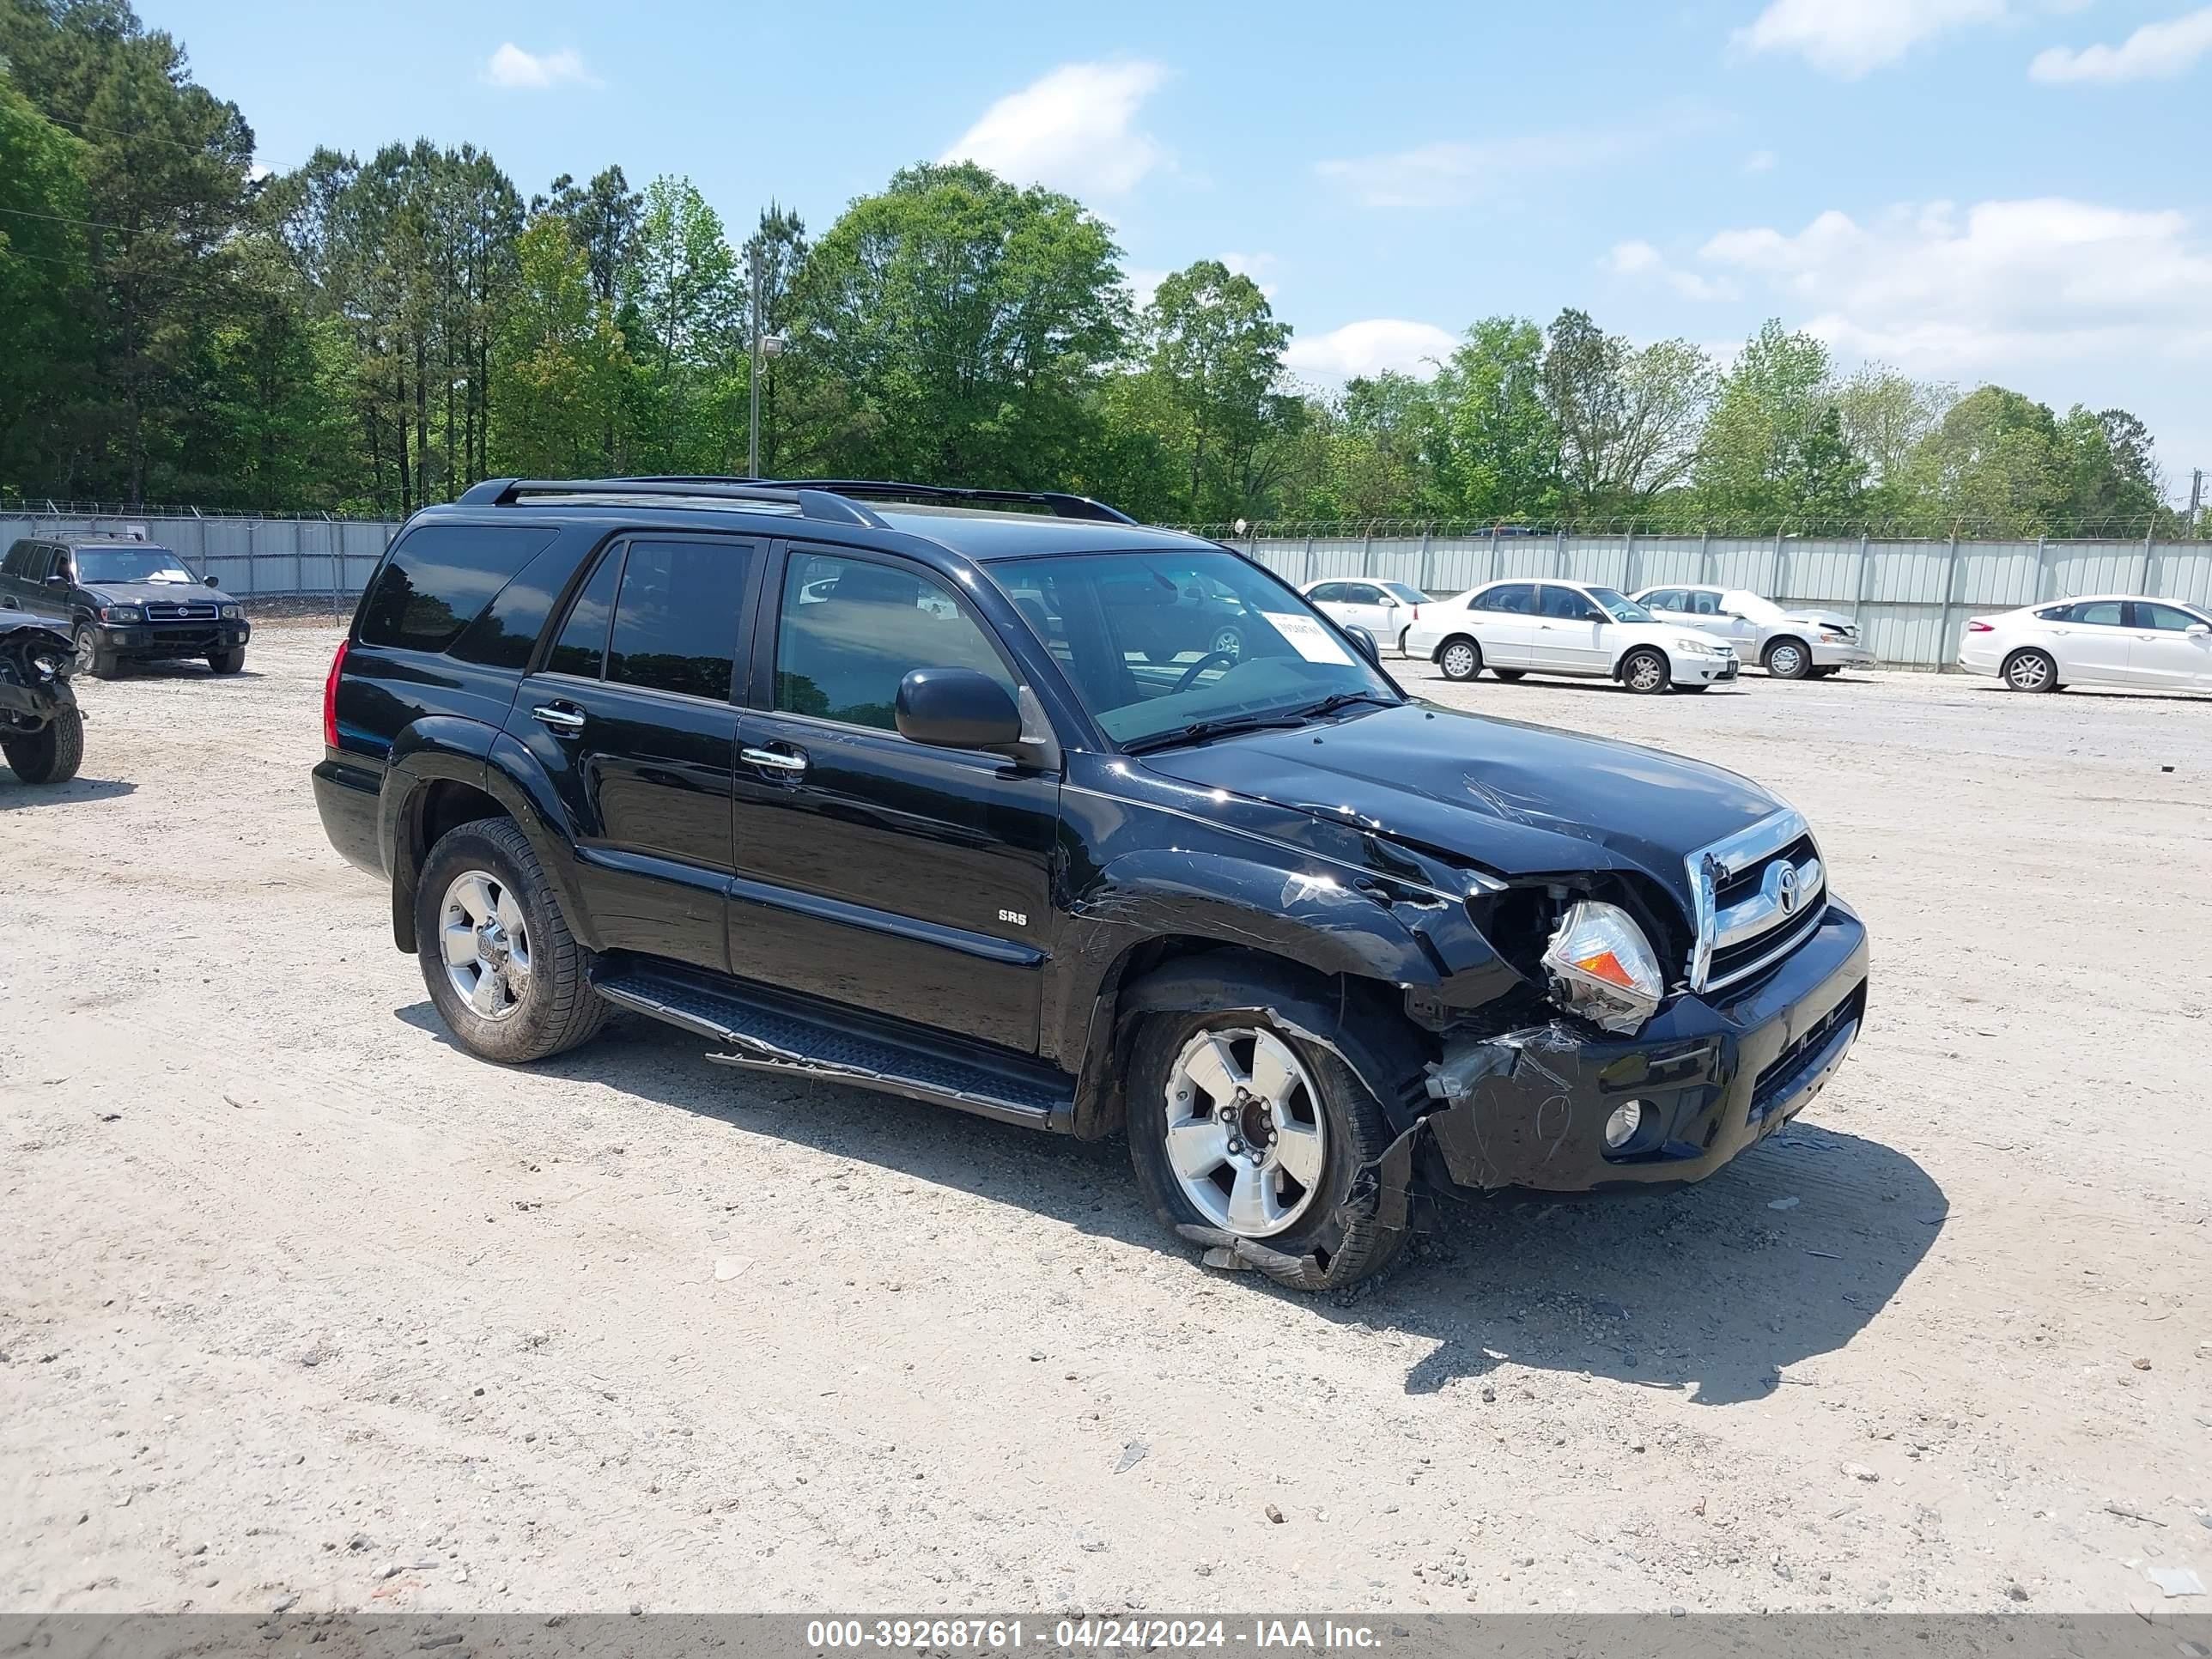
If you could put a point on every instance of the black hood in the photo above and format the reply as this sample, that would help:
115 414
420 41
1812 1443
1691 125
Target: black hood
1515 798
156 593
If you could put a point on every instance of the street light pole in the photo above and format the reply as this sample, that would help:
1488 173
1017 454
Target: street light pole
752 429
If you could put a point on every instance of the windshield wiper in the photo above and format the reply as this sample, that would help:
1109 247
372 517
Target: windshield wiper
1336 700
1206 730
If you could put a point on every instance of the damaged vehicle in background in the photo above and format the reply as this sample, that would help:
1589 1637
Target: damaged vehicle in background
894 785
41 729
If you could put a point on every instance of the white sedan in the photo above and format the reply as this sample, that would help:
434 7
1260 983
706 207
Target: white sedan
1516 628
1790 645
1385 610
2124 639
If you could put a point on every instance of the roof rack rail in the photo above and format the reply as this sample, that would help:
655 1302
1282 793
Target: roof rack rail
807 501
1063 505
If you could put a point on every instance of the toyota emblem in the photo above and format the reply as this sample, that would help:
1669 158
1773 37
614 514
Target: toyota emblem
1785 889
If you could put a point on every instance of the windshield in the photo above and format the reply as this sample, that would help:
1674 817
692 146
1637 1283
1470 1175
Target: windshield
1618 606
1404 594
1158 642
130 564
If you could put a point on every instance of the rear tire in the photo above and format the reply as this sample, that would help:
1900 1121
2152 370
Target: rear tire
1348 1120
2031 671
1789 658
226 662
1509 675
1404 635
1460 656
1645 671
90 657
50 755
553 1007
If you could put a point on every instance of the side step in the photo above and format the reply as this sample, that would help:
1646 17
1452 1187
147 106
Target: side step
771 1031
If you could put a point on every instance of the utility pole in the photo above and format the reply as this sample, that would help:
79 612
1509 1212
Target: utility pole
2195 497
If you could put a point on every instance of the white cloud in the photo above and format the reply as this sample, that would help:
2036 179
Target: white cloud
2156 51
1642 260
511 66
1369 348
1453 174
1760 161
1985 290
1258 266
1850 37
1071 131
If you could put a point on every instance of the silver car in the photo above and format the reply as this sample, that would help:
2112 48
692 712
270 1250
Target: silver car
1790 645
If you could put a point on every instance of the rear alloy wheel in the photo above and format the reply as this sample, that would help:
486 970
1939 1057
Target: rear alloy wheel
50 755
1788 658
509 980
1238 1127
1644 671
1508 675
1460 659
2031 671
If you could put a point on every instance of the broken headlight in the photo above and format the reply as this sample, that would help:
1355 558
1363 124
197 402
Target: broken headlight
1601 967
47 667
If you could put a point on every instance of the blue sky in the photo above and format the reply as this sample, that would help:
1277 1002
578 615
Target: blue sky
1972 190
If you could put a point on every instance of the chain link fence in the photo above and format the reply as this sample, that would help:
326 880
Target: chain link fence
1909 598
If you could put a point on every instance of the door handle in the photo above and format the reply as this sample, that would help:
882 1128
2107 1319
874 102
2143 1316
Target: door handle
774 760
558 718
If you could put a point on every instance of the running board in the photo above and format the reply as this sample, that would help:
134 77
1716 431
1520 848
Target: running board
772 1031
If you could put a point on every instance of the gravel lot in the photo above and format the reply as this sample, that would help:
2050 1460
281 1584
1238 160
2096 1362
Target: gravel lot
295 1298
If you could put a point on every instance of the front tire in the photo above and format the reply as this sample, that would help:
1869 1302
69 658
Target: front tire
1460 656
1238 1126
2031 671
1509 675
90 659
227 662
1788 658
50 755
509 978
1645 671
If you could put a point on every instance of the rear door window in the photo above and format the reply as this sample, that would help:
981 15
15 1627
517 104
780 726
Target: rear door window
2104 613
439 579
676 617
1514 598
581 650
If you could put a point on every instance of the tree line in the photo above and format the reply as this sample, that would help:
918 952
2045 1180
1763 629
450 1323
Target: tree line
366 336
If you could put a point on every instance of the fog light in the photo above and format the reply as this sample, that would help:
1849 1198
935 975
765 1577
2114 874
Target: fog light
1620 1129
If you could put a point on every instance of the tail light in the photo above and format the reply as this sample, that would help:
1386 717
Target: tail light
331 697
1976 625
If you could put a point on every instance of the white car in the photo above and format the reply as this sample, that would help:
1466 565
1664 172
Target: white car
1516 628
2123 639
1790 645
1386 609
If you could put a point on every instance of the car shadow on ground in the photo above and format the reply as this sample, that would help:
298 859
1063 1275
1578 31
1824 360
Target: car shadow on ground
15 793
2120 693
1711 1291
179 668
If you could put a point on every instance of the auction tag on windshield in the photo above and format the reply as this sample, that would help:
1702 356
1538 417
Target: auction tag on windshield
1307 637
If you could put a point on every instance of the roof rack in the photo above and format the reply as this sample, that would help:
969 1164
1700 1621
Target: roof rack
1061 505
805 501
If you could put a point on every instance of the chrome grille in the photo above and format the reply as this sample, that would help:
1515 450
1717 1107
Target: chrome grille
179 613
1758 894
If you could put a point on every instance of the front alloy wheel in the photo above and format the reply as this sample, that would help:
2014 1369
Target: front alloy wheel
1245 1133
485 940
1645 673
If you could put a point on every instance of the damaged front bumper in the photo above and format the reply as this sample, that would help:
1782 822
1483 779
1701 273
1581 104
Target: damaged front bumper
1529 1108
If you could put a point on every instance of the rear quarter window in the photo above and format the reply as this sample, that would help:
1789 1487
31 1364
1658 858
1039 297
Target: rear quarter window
440 577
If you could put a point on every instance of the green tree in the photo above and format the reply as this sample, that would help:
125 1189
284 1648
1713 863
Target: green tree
558 362
2111 484
1628 421
1500 456
779 242
684 309
601 219
42 265
1771 454
1209 346
1992 467
956 326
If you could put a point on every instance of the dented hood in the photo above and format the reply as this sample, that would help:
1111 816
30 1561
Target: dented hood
1515 798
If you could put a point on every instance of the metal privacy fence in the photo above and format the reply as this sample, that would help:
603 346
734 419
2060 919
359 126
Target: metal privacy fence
1909 598
250 557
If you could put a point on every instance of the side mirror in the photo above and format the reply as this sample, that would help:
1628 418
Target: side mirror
58 578
957 708
210 581
1389 602
1365 641
2197 630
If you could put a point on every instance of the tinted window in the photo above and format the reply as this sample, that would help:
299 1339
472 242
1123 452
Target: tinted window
850 630
1565 604
1664 598
505 635
13 564
1327 593
675 620
2056 613
1361 593
581 650
1515 598
2164 617
438 578
2104 613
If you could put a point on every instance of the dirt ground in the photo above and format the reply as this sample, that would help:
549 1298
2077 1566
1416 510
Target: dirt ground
296 1299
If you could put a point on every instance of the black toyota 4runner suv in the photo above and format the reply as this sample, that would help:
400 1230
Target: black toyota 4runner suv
890 785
